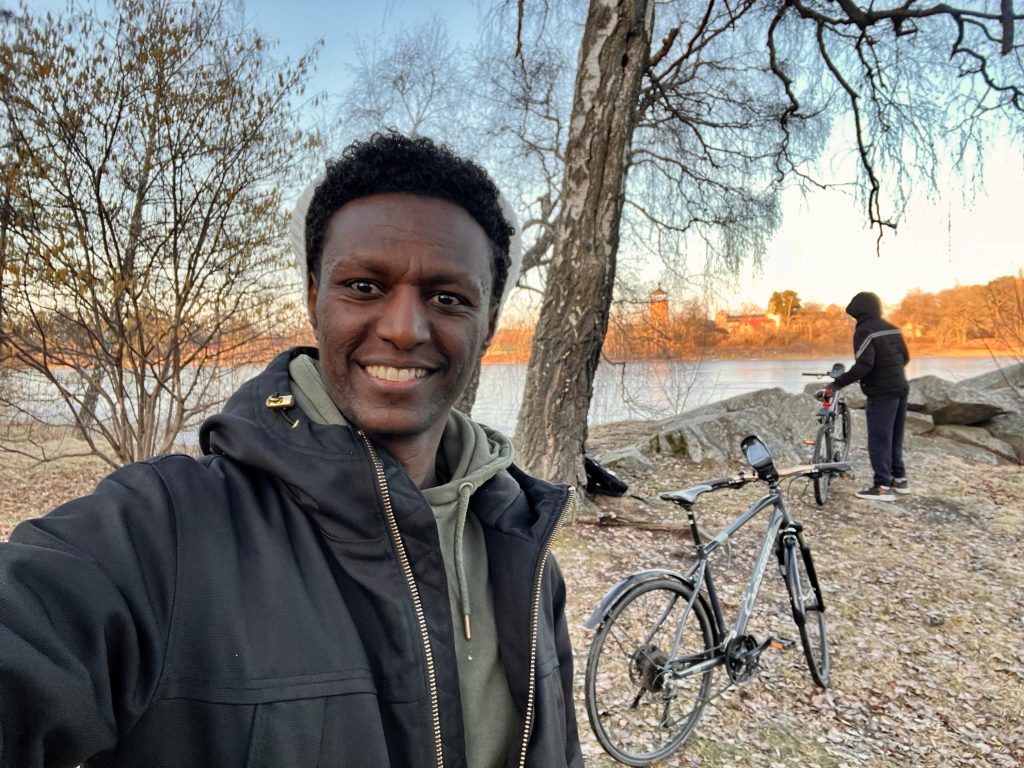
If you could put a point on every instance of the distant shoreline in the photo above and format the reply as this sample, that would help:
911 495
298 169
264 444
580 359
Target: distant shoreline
916 351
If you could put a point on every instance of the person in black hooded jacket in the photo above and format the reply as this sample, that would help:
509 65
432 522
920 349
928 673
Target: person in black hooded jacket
354 574
881 357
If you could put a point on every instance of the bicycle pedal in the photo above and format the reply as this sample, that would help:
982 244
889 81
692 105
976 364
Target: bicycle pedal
780 643
808 442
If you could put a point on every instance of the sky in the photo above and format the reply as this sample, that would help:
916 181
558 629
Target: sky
823 250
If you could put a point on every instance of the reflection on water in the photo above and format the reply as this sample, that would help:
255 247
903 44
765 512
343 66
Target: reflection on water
653 390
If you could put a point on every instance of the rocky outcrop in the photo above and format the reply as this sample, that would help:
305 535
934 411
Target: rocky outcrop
980 419
950 402
713 432
1009 428
979 438
1009 377
919 423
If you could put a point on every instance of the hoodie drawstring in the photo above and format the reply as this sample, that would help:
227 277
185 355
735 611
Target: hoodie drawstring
465 491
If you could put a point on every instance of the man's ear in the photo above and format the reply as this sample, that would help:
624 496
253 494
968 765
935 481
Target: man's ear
311 294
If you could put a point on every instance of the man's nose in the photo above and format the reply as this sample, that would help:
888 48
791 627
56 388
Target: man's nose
404 321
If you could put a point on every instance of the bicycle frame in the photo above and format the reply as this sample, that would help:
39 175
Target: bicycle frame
699 574
831 408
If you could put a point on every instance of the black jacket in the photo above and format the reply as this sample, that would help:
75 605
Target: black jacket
281 602
880 351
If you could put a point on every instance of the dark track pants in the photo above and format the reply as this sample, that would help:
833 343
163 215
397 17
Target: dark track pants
886 420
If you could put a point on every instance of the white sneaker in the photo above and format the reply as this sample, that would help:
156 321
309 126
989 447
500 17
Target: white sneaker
876 493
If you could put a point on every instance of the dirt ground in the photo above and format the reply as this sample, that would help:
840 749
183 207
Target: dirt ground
925 601
925 606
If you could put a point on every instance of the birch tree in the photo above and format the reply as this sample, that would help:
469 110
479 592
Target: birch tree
910 79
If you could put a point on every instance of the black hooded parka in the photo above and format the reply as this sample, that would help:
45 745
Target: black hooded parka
880 351
280 603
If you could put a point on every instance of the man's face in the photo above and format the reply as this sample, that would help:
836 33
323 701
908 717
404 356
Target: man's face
401 311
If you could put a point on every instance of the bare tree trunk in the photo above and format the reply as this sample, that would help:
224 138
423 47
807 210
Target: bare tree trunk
552 427
468 396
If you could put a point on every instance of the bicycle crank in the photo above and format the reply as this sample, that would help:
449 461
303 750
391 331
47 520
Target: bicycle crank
741 658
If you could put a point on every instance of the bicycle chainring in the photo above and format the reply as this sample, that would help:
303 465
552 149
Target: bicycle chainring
741 658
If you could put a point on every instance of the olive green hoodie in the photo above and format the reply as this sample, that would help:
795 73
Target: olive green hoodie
469 456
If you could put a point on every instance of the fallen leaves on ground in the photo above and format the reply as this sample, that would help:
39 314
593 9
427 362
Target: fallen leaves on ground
925 608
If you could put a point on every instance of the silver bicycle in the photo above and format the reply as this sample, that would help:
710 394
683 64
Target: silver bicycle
832 437
661 634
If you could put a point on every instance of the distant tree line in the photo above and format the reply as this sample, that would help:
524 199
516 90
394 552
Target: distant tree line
989 316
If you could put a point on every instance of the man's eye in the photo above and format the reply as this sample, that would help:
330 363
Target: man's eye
449 300
362 286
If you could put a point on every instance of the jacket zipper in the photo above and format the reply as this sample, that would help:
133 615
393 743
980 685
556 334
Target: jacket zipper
417 604
534 626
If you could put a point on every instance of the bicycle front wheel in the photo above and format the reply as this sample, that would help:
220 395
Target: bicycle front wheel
823 451
841 434
808 608
643 697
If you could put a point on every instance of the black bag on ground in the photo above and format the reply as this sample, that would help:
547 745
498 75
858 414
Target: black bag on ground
601 480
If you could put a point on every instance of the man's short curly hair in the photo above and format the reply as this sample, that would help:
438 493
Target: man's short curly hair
391 162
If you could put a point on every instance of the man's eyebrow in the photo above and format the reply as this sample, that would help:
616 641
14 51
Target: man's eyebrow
449 278
372 265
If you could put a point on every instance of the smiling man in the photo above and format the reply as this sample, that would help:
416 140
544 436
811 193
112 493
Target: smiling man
355 574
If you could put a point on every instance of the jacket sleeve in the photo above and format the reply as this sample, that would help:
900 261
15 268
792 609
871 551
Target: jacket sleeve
861 367
85 599
573 750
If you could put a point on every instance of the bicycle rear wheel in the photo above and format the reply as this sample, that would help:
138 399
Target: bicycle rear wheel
641 702
823 451
808 608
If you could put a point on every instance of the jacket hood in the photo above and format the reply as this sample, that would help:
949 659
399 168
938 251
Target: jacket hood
864 305
263 428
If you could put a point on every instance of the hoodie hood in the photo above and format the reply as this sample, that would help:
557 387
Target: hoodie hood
327 469
263 428
863 306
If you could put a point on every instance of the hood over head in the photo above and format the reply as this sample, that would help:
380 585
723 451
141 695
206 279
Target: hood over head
864 305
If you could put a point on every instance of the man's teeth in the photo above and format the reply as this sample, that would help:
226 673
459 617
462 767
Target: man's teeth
388 373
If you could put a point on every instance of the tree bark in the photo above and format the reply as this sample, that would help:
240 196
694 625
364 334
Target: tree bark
552 427
468 396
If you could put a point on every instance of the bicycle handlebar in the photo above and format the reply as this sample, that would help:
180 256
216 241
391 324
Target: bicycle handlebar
815 470
690 495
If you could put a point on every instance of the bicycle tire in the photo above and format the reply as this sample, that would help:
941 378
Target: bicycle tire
841 431
823 451
808 608
637 712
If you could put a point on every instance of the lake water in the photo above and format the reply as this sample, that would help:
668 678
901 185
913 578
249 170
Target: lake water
642 390
654 390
